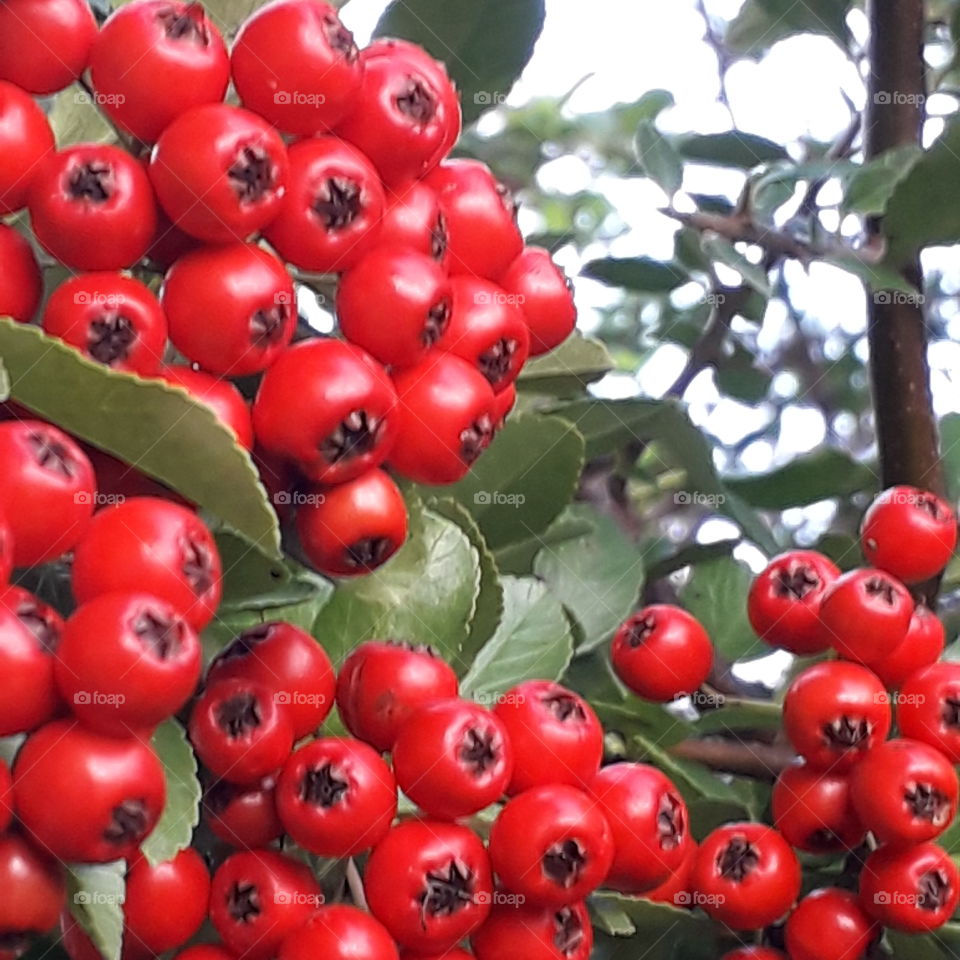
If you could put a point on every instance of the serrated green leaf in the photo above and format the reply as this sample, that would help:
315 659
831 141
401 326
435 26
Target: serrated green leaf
157 428
75 119
565 371
732 148
658 158
722 250
95 894
870 188
637 274
254 581
517 558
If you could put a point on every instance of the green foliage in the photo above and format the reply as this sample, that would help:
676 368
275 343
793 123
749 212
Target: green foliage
762 23
95 894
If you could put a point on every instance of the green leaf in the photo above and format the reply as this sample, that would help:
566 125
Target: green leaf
762 23
4 383
907 946
693 780
427 593
721 249
658 158
807 479
566 370
869 189
729 149
950 443
518 557
652 104
634 718
75 119
524 480
95 894
533 642
876 276
157 428
637 274
484 45
181 814
597 578
716 595
738 377
608 425
741 715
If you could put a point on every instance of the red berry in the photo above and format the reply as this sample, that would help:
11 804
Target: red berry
545 296
412 219
25 140
243 816
813 811
928 708
535 933
675 890
921 647
339 933
828 924
34 889
6 797
21 283
204 951
6 551
223 398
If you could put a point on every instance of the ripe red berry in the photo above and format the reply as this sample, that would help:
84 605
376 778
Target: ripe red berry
452 758
914 889
784 601
813 810
354 527
336 797
381 683
91 207
446 419
345 421
47 492
110 318
243 816
331 215
113 789
155 59
339 933
34 889
555 734
829 924
221 396
545 296
220 172
410 288
231 309
6 551
21 283
25 140
145 540
67 29
928 708
675 890
6 797
258 898
240 731
904 792
910 533
429 883
746 875
649 822
535 933
834 712
921 647
662 652
865 614
201 951
412 219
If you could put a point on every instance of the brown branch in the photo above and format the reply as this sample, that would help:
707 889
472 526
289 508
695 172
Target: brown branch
761 761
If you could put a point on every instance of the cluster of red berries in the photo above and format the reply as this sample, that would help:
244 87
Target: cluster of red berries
334 163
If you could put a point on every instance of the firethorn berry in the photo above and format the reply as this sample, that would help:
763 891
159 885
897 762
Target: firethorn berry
336 797
928 708
662 652
914 889
545 296
113 789
452 758
110 318
76 941
754 953
865 614
480 215
446 419
454 953
904 792
921 647
649 822
410 288
487 330
258 898
30 633
67 29
21 283
354 527
551 845
412 219
34 889
148 541
813 810
382 682
332 210
219 172
204 951
829 924
429 883
155 59
535 933
339 933
240 730
290 662
47 492
221 396
296 64
503 403
746 875
231 309
784 601
6 797
675 890
6 551
910 533
834 712
164 905
91 207
126 662
243 816
346 410
25 140
555 734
